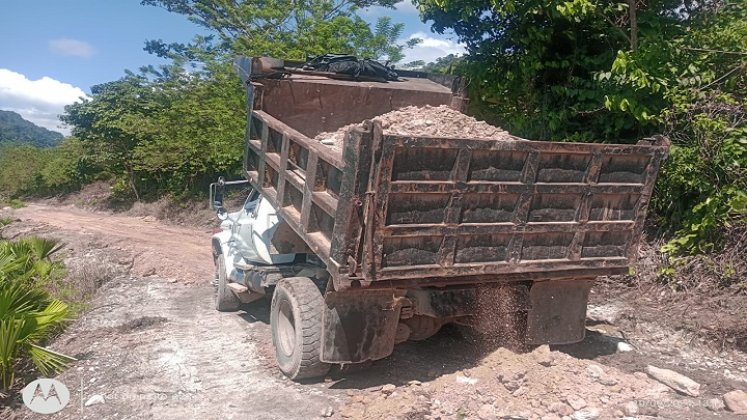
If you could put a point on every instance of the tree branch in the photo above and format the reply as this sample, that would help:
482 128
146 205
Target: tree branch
706 50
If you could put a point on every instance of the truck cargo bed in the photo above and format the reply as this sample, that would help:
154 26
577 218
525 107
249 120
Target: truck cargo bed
398 210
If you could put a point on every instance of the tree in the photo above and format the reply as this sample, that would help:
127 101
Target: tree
163 131
533 63
287 29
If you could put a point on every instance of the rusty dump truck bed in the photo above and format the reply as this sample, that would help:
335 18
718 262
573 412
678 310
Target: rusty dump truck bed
400 211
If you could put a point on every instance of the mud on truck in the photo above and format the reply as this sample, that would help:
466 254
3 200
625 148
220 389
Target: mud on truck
387 237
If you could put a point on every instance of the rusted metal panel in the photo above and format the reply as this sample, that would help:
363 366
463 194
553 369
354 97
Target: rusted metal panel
316 104
346 247
557 312
360 325
501 207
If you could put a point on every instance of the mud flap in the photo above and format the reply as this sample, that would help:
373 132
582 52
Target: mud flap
558 311
358 326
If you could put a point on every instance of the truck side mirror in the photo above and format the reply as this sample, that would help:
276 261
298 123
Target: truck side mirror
221 213
218 199
216 194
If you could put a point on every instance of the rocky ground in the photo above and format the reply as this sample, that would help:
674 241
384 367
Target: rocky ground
150 345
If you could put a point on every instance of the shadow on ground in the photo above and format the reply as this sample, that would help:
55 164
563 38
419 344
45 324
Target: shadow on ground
594 346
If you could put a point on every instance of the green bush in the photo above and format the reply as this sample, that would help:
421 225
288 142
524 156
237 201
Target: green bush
28 313
28 170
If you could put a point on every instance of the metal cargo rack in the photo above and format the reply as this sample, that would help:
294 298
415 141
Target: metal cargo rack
399 211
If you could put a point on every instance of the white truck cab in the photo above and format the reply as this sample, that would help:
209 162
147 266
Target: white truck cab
246 260
246 235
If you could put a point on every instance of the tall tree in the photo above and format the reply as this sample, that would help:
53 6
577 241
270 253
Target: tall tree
286 28
534 62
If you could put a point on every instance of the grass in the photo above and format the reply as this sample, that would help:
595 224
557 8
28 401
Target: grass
5 221
17 203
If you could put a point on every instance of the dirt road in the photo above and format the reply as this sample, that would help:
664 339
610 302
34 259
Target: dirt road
150 345
171 251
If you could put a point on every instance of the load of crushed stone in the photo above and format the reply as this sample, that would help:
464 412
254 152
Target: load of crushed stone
428 121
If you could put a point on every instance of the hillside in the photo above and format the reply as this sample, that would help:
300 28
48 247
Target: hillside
15 129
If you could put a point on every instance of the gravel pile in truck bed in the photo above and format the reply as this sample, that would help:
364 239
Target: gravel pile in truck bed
428 121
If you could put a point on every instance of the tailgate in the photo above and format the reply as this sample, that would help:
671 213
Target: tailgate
446 208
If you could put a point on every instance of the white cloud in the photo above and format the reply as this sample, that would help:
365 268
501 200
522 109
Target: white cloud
39 101
431 48
71 47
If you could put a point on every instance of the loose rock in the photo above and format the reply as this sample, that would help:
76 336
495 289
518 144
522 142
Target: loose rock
428 121
595 371
561 409
715 404
674 380
624 347
630 408
736 401
607 381
466 380
576 402
95 399
486 412
587 414
607 314
388 388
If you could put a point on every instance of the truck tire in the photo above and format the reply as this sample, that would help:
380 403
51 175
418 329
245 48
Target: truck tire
296 320
225 300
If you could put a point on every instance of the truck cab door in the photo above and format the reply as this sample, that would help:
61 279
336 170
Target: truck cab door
242 229
254 230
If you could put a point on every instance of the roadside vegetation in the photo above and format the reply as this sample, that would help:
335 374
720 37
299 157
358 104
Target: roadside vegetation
579 70
29 313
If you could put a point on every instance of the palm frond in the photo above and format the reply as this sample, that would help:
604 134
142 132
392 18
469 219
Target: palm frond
42 248
10 329
48 361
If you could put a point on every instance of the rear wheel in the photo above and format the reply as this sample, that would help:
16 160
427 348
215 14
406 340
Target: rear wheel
225 299
296 319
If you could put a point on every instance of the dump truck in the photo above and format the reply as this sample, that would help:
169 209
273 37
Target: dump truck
386 238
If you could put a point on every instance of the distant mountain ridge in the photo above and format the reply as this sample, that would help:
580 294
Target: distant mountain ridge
15 129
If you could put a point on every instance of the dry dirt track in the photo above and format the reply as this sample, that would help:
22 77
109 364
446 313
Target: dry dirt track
151 343
176 252
152 346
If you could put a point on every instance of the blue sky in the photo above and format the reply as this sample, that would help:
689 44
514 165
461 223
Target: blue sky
53 51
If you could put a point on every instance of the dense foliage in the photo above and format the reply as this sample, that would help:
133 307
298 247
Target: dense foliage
31 170
167 131
16 130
